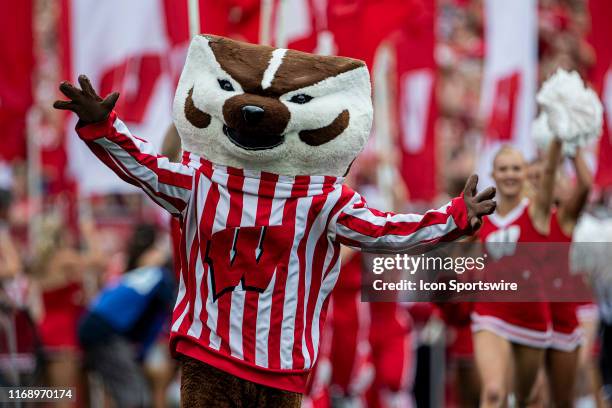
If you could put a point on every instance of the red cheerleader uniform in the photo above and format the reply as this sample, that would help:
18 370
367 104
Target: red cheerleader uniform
63 308
457 318
526 323
566 332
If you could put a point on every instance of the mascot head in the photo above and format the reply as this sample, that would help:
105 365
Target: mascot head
272 109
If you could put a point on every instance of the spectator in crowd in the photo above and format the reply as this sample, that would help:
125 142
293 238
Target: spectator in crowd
10 262
126 318
17 334
58 270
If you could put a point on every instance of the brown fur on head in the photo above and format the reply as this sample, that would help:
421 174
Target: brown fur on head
283 111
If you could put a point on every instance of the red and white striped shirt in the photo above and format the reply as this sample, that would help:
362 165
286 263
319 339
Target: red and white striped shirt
259 252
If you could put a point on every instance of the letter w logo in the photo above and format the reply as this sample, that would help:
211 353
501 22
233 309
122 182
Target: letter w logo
248 256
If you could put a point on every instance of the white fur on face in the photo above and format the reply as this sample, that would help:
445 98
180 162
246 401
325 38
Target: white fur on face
347 91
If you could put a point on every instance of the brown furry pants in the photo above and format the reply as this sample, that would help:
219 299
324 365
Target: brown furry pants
203 386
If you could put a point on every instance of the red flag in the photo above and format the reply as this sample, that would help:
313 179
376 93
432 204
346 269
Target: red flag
295 26
343 16
238 19
300 24
16 48
404 73
601 77
359 26
500 125
415 102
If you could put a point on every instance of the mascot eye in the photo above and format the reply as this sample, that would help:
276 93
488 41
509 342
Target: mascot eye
226 85
300 98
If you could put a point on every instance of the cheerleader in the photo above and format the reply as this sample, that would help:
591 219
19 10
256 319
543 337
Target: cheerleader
510 338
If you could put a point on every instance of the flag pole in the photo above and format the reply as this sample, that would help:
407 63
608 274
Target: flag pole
280 39
386 170
34 179
194 17
265 21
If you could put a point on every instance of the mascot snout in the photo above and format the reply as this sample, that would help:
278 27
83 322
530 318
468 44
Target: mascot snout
255 122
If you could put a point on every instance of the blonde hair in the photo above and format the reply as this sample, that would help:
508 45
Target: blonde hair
507 148
527 190
49 241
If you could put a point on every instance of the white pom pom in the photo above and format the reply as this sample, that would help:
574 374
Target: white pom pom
597 117
543 135
540 131
574 111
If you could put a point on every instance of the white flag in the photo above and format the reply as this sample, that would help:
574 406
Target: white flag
121 46
509 81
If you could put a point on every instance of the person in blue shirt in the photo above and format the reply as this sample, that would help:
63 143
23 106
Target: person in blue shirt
125 319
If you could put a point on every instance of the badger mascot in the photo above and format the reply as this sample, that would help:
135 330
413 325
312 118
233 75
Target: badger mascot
268 135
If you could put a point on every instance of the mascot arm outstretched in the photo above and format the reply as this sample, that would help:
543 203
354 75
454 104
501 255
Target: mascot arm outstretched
169 184
133 159
361 227
268 134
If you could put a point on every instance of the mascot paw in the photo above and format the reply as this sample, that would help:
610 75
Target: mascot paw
478 205
85 102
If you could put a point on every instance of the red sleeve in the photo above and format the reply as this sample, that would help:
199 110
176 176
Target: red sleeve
363 227
136 161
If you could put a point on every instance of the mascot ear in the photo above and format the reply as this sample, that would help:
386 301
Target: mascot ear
190 117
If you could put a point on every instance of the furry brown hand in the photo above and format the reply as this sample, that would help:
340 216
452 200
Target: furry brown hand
85 102
478 205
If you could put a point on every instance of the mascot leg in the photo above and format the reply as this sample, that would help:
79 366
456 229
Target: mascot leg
203 386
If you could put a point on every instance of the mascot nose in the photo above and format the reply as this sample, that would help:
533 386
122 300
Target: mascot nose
252 114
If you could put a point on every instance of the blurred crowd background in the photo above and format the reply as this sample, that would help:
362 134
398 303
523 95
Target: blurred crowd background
68 228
